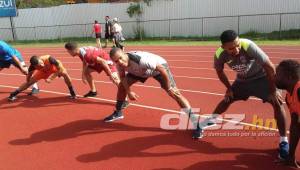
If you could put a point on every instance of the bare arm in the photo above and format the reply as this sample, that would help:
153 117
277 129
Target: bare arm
270 70
104 65
28 76
114 77
57 64
17 61
160 68
126 83
121 73
84 68
224 79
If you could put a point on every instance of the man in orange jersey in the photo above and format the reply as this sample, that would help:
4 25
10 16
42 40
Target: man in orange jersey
44 67
288 78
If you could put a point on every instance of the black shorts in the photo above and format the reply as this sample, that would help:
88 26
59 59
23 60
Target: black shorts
108 36
98 35
159 78
257 87
6 64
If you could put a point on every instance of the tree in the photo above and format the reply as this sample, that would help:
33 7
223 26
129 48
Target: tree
38 3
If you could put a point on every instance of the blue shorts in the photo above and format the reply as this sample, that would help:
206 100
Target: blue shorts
7 63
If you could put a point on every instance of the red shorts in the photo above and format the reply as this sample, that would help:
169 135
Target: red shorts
99 68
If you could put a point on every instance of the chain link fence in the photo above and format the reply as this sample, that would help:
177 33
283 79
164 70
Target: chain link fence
171 28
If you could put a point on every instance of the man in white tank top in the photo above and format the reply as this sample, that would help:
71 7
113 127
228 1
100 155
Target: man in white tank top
140 66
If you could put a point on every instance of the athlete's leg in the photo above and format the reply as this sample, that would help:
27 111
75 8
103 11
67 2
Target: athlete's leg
68 82
89 79
23 87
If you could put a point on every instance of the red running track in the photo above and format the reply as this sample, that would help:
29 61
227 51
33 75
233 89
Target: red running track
49 131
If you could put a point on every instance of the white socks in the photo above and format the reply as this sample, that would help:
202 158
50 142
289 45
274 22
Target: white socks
284 139
35 86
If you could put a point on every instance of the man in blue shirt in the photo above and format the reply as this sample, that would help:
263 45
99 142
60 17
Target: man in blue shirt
10 56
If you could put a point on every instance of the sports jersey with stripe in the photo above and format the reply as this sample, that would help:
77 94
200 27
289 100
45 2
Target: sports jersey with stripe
89 56
247 64
51 66
143 64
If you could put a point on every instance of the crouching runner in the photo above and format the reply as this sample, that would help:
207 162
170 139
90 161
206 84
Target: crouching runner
140 66
44 67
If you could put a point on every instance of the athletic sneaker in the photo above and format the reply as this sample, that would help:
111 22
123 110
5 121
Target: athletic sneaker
12 98
198 133
73 96
207 123
34 91
194 119
283 150
115 116
90 94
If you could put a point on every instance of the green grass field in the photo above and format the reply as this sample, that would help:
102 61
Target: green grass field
289 37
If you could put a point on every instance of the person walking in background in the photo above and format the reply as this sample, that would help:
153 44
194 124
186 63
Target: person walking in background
97 30
118 37
108 32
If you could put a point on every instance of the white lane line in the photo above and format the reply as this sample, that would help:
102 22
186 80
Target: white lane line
191 68
163 48
176 76
153 108
166 49
169 54
146 86
183 61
